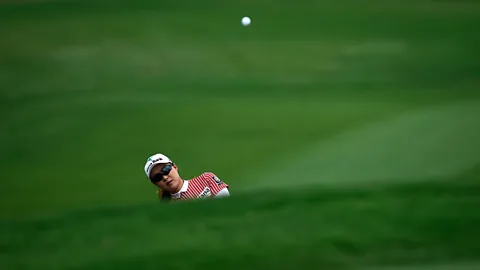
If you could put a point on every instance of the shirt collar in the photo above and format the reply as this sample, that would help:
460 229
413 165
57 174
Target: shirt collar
184 186
183 189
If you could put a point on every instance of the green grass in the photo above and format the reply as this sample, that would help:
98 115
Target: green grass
452 266
320 228
348 132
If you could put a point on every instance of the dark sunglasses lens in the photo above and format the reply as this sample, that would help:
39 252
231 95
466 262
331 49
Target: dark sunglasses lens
166 170
159 176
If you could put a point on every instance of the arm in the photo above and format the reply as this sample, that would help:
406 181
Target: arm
223 193
218 188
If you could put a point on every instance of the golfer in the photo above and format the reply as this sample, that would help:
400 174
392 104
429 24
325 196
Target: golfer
163 173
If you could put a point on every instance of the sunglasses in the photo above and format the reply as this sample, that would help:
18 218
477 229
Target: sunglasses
159 176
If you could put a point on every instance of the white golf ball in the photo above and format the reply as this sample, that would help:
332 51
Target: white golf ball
246 21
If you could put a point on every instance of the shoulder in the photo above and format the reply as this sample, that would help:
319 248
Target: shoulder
210 176
205 176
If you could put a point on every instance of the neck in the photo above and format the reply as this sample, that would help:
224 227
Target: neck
179 187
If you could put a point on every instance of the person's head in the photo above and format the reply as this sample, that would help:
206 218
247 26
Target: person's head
163 173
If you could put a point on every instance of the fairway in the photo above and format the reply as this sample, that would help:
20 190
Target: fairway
417 145
348 131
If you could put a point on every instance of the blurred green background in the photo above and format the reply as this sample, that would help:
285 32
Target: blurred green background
349 132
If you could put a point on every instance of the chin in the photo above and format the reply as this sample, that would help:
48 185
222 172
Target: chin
171 188
174 187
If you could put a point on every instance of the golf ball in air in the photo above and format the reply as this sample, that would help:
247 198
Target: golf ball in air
246 21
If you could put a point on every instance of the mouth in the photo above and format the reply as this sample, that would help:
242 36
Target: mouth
169 182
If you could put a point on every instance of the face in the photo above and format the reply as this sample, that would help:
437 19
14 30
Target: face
166 177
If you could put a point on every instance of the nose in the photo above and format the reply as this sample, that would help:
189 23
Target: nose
165 177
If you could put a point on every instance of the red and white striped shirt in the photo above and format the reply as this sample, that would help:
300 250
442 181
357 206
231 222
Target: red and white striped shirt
207 185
